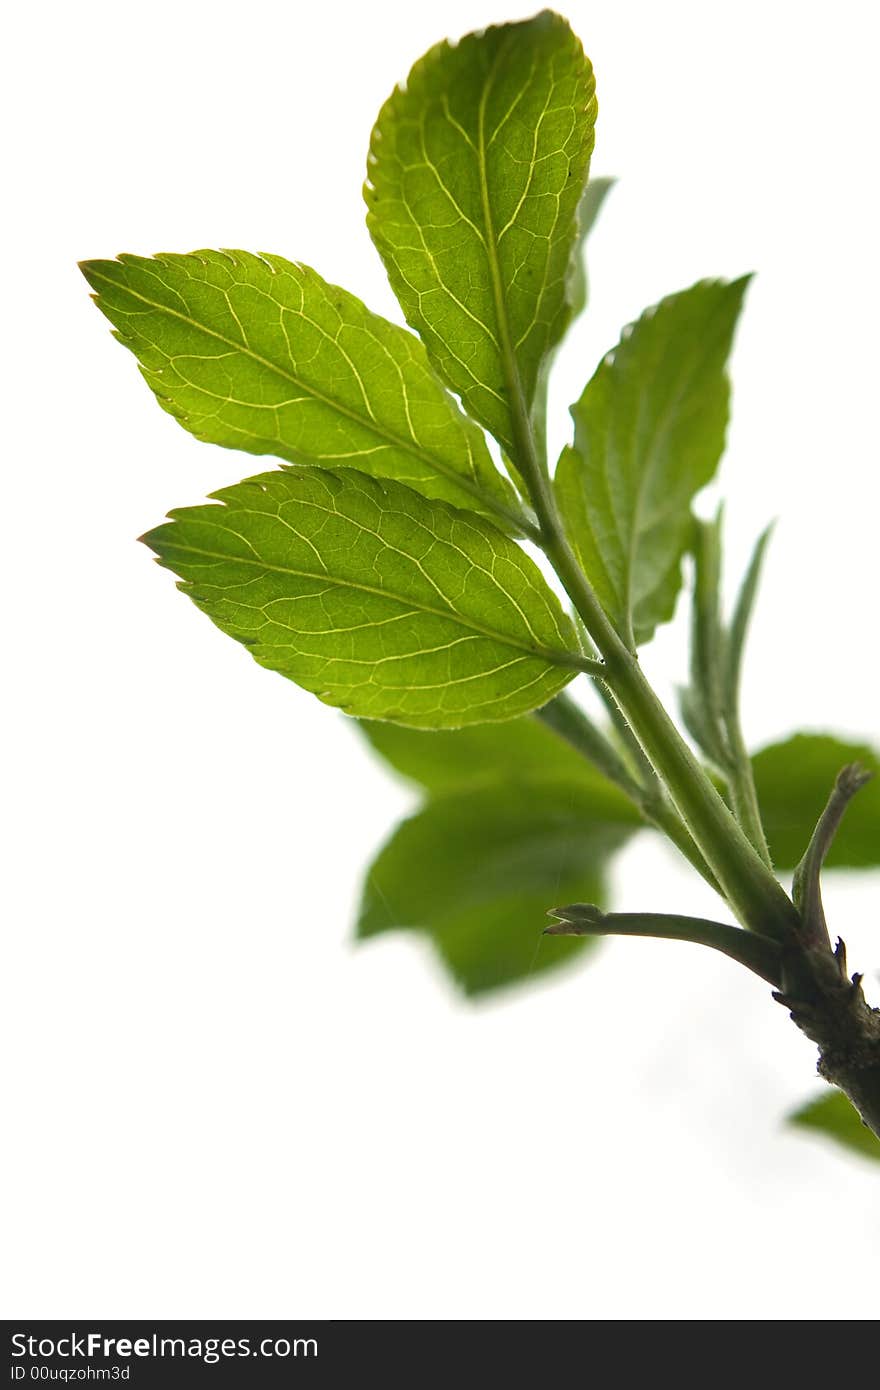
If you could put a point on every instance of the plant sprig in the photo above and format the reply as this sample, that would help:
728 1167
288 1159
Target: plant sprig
381 566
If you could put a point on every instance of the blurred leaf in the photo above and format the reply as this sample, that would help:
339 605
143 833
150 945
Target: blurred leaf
477 870
373 597
834 1116
793 781
649 433
577 295
518 749
477 166
594 196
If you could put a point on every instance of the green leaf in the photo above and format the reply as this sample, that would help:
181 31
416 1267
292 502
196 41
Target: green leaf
476 170
256 353
477 869
702 703
378 600
834 1116
793 781
739 623
710 703
649 432
517 749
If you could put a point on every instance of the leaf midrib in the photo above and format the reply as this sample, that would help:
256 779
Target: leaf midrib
509 364
396 441
554 657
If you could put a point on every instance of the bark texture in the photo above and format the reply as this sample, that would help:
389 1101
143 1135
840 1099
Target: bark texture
830 1007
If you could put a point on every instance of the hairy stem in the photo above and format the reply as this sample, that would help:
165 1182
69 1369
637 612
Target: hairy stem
641 763
570 722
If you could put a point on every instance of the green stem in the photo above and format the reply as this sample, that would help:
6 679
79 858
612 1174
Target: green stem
750 887
665 817
757 953
571 723
757 898
748 884
641 764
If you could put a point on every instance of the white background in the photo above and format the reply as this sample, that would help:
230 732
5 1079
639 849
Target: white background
218 1107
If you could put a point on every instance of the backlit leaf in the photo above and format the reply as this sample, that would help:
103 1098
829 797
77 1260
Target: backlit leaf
649 432
378 600
477 167
260 354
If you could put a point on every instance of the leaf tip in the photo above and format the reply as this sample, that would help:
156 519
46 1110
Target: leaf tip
90 271
151 539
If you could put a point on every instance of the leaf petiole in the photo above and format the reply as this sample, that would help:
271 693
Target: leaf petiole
757 953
